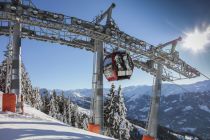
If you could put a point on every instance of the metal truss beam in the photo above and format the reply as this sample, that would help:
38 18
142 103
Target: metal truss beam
57 28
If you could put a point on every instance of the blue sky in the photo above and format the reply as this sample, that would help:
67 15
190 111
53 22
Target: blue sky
156 21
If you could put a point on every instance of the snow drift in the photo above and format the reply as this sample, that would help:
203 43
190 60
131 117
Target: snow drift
37 125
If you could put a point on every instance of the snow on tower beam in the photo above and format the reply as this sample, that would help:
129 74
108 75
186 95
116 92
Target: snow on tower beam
60 23
31 34
26 33
107 13
44 35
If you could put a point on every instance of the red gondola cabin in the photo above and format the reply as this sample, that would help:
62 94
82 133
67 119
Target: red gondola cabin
118 66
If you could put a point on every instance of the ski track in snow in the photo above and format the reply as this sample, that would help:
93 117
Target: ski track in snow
35 125
168 109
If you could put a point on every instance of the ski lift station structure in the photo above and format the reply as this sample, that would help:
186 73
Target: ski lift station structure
21 19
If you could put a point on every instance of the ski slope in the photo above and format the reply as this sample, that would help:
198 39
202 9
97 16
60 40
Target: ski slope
37 125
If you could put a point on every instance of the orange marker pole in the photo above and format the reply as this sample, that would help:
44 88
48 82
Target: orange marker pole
145 137
95 128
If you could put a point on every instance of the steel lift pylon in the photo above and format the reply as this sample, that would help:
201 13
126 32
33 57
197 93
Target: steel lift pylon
16 63
152 127
16 60
154 108
97 105
96 124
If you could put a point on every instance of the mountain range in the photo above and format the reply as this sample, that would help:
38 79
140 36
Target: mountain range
183 108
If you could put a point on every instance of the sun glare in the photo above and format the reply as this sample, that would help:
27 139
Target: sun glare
197 40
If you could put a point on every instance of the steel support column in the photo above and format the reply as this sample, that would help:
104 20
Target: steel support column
98 101
16 63
153 117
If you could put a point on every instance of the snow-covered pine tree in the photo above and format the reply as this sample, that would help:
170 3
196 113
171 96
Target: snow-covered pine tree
2 76
63 107
76 116
5 70
124 128
65 112
53 106
115 115
69 111
85 121
73 116
116 120
36 99
59 102
46 101
79 120
27 89
32 98
110 120
107 106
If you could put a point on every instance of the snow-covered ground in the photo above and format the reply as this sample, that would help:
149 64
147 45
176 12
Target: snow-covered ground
204 107
37 125
84 111
180 137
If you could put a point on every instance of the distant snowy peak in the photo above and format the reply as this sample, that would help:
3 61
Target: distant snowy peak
77 94
69 93
131 93
134 92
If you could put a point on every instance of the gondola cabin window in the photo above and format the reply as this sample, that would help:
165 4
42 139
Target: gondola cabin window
118 66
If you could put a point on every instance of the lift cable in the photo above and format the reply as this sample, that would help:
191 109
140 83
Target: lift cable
180 86
185 88
205 76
